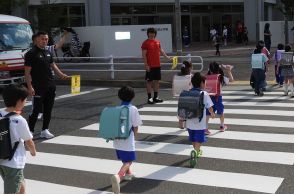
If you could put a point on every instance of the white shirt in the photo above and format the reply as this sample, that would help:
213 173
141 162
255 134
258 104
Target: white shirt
19 131
225 32
194 123
134 121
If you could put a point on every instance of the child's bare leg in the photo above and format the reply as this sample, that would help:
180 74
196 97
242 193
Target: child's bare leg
181 124
222 119
22 188
196 145
125 167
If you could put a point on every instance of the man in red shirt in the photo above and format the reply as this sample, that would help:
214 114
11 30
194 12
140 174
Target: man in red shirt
151 51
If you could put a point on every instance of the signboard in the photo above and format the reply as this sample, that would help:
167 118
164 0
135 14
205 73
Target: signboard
75 84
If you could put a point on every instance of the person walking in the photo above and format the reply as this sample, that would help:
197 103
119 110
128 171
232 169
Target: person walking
151 50
267 36
40 82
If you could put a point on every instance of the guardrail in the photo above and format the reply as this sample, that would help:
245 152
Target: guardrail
114 62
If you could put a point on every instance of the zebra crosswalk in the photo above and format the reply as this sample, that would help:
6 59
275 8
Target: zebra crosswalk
255 155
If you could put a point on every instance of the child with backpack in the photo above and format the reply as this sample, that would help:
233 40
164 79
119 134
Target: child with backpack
279 78
218 106
287 72
125 148
182 81
197 126
11 169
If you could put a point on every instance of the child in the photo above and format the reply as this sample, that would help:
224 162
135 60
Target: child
195 127
11 171
287 73
125 148
279 78
218 107
259 60
186 69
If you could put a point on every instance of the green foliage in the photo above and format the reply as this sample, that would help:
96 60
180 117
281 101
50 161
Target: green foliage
287 8
6 6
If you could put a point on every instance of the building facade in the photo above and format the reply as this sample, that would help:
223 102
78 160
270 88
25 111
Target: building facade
198 16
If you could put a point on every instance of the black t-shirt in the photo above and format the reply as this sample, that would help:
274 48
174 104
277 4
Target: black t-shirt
267 38
40 61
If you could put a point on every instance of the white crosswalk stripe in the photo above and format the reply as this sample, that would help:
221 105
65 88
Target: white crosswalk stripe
157 137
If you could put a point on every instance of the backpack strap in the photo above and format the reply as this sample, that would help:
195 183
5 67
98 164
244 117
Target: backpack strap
16 143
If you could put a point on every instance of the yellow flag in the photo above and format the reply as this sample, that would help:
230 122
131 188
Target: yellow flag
175 63
75 84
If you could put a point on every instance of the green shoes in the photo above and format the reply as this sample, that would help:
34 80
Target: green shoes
194 155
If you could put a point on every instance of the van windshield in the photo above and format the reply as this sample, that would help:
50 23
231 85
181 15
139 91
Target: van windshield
15 36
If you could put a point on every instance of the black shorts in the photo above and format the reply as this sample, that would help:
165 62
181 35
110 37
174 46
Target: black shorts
153 74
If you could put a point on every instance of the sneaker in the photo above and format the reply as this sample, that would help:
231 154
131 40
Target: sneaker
199 153
46 134
207 132
223 128
193 158
115 180
157 100
40 115
285 93
150 101
129 177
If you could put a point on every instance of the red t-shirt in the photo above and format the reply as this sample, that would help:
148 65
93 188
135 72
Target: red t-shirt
153 52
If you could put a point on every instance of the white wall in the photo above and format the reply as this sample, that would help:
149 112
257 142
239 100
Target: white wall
278 31
103 41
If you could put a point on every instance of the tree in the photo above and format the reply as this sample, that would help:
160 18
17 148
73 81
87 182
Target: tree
6 6
287 8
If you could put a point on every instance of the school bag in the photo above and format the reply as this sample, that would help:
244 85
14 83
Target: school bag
114 123
181 83
6 149
257 61
191 104
213 84
286 59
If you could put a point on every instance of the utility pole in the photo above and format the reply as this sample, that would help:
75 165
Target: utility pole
178 27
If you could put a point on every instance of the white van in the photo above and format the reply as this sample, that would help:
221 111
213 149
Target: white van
15 41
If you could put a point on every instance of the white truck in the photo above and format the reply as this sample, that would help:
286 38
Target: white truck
15 41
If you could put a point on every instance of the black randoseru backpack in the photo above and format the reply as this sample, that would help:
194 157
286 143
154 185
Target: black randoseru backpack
191 104
6 150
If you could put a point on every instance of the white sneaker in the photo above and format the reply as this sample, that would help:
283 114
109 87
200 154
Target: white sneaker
115 180
129 177
40 115
46 134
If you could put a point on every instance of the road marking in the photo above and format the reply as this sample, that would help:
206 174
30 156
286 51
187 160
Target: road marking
184 150
29 103
226 111
232 121
37 187
234 135
241 181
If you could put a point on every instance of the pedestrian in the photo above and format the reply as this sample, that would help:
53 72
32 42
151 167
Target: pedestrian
52 49
217 100
217 44
212 33
40 82
267 36
245 35
287 71
225 35
277 58
125 148
151 50
185 76
258 63
11 171
186 37
196 128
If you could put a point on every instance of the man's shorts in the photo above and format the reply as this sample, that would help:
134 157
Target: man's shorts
197 135
218 105
12 178
153 74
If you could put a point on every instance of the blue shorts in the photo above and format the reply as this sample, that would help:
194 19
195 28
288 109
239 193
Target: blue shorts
197 135
218 105
126 156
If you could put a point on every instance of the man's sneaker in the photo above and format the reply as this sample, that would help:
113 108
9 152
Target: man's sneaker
40 115
207 132
129 177
115 180
46 134
150 101
223 128
157 100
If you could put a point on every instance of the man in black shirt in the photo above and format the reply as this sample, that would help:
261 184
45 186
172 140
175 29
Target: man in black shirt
40 81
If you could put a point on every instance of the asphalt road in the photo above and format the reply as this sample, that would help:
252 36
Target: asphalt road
254 156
